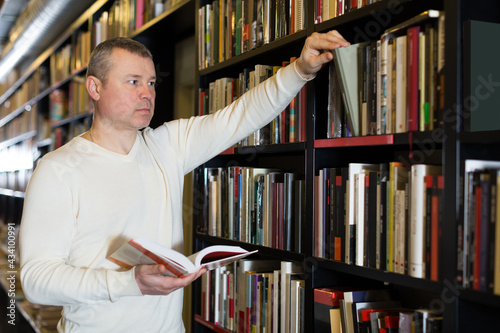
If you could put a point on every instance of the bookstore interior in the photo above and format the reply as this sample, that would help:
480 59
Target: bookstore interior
369 204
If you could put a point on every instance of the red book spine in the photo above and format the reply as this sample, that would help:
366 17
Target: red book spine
201 105
319 11
435 228
412 108
139 14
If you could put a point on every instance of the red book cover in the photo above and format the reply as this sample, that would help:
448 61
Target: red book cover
139 14
201 105
319 11
303 113
435 227
412 108
328 296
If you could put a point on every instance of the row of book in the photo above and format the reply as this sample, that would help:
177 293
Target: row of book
71 101
25 122
33 86
385 216
228 28
79 100
391 85
124 17
255 205
70 58
60 64
357 310
255 296
479 234
63 134
328 9
289 126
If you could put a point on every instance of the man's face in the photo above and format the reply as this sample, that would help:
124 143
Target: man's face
126 101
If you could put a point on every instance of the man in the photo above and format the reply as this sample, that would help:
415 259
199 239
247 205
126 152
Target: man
118 182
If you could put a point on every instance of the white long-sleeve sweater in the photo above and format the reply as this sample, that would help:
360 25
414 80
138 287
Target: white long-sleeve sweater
83 202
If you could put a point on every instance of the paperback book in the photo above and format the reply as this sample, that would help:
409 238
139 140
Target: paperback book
143 251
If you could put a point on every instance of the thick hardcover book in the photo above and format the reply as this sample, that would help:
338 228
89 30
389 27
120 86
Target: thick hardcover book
412 78
143 251
418 225
381 242
334 108
326 299
481 74
299 213
340 214
288 216
346 61
371 218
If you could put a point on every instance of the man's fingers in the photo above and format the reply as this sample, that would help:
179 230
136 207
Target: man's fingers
328 41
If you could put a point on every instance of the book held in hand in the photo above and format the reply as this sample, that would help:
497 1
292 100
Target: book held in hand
142 251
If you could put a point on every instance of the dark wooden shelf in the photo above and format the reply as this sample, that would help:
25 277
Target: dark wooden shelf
12 193
263 250
266 149
483 137
479 297
374 140
379 275
298 37
17 139
71 119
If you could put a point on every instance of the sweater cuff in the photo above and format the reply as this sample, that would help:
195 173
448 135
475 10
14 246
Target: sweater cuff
122 283
311 77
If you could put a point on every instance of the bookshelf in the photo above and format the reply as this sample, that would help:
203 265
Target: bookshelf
446 145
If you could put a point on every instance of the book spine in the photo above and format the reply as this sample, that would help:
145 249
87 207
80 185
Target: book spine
413 75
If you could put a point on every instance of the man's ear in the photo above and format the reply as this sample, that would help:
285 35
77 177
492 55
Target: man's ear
94 87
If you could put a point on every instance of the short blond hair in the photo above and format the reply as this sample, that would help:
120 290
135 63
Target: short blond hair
99 63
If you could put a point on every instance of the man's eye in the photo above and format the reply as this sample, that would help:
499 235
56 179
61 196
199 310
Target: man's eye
152 83
132 82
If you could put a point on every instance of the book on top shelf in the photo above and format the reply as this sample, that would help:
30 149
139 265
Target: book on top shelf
345 59
143 251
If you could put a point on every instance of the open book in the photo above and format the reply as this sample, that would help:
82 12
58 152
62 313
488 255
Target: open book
142 251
